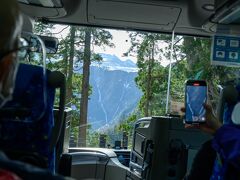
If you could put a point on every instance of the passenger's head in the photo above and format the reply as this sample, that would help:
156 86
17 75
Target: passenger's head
10 29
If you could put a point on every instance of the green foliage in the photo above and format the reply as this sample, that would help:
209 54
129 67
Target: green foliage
70 53
93 139
197 53
127 124
191 60
43 29
92 37
152 75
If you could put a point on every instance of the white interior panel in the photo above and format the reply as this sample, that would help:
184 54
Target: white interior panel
37 11
130 14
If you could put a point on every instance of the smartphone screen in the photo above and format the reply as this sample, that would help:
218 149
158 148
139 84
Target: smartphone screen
195 97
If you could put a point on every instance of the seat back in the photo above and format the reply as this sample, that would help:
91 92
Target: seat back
163 148
27 123
57 80
228 98
63 140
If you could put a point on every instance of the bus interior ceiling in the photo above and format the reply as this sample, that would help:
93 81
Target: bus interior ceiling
184 17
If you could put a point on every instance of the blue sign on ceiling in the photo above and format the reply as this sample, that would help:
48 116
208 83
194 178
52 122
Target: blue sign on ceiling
226 51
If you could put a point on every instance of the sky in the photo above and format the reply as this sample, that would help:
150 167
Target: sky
122 44
120 39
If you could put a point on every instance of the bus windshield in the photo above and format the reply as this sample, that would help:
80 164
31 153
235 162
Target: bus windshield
115 77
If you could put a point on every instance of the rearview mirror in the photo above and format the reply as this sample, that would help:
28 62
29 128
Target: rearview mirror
51 44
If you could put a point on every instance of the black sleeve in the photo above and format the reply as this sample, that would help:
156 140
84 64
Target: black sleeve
203 163
26 171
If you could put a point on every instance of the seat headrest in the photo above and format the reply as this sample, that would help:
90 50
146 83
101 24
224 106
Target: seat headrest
29 92
236 114
230 94
228 99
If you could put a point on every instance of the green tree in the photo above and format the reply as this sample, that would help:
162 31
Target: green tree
127 125
75 47
92 37
69 70
63 61
191 60
197 55
43 29
151 74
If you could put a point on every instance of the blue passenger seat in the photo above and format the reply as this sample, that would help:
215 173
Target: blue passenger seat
28 131
228 99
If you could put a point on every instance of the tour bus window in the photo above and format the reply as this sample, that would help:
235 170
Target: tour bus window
115 77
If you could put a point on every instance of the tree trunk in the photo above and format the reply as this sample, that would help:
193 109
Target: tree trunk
65 62
70 64
148 106
151 78
146 113
82 135
191 55
149 85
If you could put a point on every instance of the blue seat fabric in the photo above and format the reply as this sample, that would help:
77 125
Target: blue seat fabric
222 170
30 133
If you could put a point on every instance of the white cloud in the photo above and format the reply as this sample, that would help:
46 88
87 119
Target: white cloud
120 39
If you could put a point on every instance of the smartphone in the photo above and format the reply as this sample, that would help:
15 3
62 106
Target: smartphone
195 97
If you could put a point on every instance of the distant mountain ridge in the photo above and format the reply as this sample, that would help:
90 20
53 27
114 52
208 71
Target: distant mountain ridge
112 62
115 94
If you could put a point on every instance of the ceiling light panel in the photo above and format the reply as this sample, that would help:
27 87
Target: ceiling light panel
46 3
23 1
43 3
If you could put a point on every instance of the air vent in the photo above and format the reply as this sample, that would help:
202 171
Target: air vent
130 14
43 3
228 14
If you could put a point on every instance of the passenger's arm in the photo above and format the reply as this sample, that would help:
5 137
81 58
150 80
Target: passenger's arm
227 143
212 123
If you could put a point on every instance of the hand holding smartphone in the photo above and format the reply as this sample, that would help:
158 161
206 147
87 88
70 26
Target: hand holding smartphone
195 97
